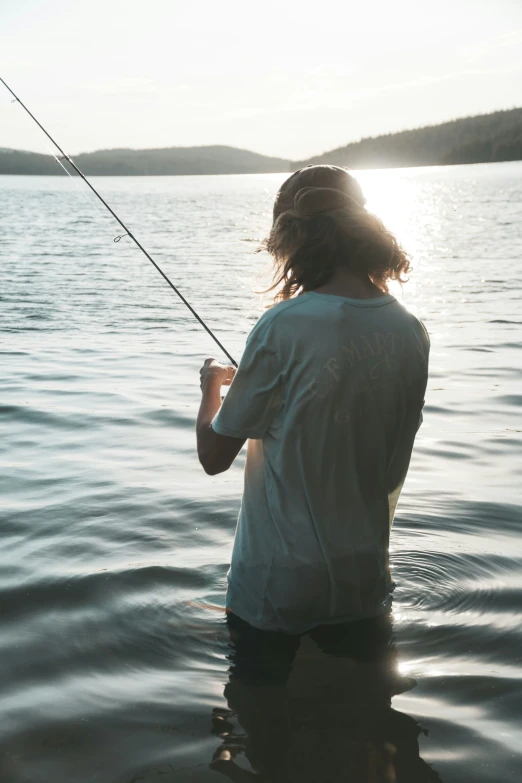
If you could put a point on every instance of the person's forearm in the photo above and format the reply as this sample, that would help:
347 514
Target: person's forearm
210 404
216 452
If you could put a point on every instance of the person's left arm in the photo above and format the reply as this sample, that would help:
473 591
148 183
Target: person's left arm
216 452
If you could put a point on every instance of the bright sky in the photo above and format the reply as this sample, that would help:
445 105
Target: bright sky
289 78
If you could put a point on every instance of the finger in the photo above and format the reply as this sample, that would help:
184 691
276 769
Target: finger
229 377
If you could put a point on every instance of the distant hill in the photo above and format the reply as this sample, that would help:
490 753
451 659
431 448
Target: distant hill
484 139
18 162
126 162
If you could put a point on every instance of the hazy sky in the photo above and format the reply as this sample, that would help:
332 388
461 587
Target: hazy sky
288 78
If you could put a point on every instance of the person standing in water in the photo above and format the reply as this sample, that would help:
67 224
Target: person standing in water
329 393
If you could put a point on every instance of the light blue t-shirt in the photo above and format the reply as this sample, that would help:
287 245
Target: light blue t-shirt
329 392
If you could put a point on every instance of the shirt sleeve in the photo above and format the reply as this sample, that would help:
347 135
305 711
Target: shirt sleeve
254 396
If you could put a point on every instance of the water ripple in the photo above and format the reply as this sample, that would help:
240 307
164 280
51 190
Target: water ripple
115 545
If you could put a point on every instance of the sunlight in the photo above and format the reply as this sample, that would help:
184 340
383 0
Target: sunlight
391 195
396 197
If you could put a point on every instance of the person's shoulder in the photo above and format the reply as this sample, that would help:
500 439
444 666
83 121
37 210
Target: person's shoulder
271 330
274 316
416 325
419 325
283 308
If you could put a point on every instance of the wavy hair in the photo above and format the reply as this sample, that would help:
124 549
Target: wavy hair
320 224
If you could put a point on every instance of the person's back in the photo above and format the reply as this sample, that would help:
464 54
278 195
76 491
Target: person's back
329 392
330 441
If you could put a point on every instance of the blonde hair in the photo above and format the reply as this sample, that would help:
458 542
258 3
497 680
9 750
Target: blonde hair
320 224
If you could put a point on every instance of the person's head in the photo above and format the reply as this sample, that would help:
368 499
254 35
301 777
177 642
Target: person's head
321 224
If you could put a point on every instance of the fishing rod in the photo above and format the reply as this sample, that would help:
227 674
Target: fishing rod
64 156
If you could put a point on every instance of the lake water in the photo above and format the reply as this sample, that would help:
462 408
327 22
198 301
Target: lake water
115 544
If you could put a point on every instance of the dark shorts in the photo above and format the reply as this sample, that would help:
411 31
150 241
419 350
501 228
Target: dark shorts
265 657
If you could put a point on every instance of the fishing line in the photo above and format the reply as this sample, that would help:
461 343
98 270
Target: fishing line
93 203
64 157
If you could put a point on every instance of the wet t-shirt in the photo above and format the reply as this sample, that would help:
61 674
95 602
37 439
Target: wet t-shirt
329 392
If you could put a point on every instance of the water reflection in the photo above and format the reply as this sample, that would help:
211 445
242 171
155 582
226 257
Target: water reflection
317 707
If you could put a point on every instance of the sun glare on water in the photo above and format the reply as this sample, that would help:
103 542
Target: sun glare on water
394 196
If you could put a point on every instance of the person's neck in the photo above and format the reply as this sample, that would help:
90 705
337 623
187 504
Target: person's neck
346 283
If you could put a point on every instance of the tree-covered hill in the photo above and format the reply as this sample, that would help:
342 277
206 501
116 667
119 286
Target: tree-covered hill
125 162
484 139
20 162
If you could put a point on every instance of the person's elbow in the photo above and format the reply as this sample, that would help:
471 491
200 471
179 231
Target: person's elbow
216 452
213 464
